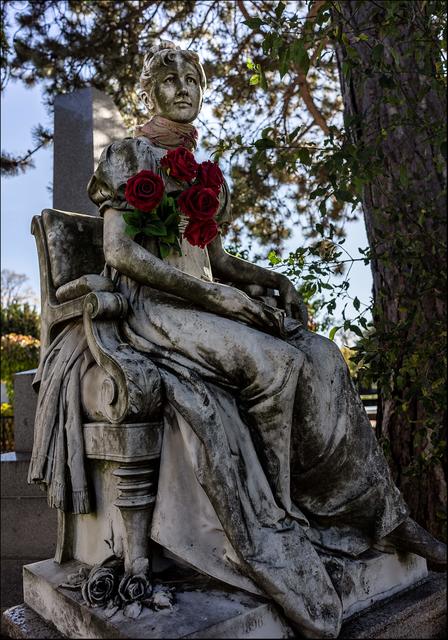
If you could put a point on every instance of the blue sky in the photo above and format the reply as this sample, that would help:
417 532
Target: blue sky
26 195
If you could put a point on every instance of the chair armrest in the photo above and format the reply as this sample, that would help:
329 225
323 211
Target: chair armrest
132 392
82 286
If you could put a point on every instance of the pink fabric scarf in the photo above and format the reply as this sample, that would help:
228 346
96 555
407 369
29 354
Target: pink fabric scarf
169 134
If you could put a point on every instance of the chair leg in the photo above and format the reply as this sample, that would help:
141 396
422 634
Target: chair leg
137 488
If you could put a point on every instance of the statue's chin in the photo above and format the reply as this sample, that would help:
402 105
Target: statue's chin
183 116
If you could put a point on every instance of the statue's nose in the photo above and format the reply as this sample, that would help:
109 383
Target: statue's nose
182 88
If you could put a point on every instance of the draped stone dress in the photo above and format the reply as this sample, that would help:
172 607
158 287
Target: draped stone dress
268 456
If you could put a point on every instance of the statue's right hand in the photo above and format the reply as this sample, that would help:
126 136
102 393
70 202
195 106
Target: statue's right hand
228 301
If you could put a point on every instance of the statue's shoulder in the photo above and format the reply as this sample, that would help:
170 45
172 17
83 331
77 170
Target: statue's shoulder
119 161
127 148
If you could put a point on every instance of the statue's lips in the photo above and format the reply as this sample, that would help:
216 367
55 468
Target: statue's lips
183 104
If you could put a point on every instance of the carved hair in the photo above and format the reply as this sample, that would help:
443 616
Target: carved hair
163 55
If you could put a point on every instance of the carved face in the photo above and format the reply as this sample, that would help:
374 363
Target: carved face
176 93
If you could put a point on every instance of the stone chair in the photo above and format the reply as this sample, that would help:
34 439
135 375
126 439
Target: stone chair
120 394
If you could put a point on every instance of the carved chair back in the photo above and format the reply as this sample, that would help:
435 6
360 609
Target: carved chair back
69 245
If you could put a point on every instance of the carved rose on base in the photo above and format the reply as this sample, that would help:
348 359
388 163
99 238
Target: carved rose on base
100 586
108 586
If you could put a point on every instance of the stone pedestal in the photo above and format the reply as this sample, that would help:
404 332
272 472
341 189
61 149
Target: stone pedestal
418 612
204 608
28 524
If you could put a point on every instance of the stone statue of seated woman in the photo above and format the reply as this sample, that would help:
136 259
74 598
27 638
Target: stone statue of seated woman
268 458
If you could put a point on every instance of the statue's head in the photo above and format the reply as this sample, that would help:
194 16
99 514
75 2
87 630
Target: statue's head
172 82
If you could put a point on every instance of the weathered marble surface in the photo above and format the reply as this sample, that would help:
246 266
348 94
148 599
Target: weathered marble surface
204 608
418 612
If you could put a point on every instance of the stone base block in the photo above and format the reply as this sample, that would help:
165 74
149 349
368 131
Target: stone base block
205 608
372 577
418 612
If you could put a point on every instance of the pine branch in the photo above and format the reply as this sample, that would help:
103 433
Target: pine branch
13 165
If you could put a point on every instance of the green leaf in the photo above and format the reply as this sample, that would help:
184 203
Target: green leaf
273 258
279 9
255 79
132 218
249 64
155 229
132 231
266 131
172 218
356 329
377 53
356 304
284 57
164 249
170 237
300 56
333 332
264 143
343 195
293 135
263 81
267 43
346 69
253 23
304 156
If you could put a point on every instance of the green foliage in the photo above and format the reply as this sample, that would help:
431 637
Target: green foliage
6 409
400 49
20 318
162 223
18 353
65 46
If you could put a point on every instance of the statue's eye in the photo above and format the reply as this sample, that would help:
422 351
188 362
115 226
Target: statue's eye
169 79
191 80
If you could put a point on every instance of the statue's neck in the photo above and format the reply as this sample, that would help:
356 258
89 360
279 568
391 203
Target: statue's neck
169 134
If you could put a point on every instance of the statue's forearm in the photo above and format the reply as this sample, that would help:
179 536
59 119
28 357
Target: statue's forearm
133 260
233 269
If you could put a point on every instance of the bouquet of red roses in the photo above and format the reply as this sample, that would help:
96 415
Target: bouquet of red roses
158 214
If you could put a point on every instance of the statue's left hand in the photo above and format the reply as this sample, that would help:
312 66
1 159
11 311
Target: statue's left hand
291 302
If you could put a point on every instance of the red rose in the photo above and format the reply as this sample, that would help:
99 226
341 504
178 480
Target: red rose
199 203
144 190
180 164
201 232
210 175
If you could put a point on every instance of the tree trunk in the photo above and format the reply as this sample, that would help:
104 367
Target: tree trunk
395 113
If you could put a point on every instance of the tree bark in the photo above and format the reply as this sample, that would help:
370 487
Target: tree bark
404 209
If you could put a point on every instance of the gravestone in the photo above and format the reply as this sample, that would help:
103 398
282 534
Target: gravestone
85 121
